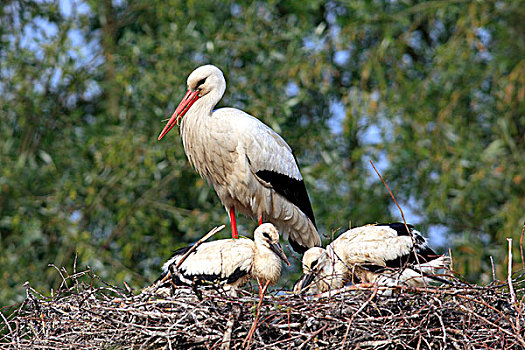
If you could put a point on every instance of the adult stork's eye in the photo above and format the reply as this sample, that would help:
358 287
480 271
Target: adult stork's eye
202 81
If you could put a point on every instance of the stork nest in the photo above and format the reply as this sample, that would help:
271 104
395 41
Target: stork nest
87 313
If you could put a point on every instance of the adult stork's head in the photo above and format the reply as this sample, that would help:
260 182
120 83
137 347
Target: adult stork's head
268 236
206 86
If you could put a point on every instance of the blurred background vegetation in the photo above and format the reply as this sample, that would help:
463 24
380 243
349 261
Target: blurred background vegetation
432 91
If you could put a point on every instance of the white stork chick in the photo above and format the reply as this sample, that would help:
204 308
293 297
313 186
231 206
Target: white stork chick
321 273
252 169
384 254
230 262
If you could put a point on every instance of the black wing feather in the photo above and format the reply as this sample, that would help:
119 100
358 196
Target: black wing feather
300 249
197 279
176 280
424 253
202 279
399 227
292 189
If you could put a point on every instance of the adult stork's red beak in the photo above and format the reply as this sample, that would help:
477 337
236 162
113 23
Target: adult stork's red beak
187 101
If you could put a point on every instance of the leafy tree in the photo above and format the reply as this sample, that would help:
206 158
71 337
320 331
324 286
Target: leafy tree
444 83
431 91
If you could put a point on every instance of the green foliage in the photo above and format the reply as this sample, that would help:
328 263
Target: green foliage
431 91
450 79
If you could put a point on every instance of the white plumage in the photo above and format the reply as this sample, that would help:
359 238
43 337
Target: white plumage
384 254
229 262
252 169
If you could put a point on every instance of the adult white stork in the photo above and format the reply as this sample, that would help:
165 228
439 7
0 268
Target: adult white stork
252 169
386 254
229 262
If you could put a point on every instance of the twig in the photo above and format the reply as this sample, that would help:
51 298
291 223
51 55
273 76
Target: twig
312 336
451 260
226 339
248 338
517 336
493 269
64 280
185 256
511 288
443 328
6 322
392 195
199 242
402 215
374 293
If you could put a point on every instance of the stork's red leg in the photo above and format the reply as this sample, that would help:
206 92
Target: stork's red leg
260 220
233 223
260 287
248 338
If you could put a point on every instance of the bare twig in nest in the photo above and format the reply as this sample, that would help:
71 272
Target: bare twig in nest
493 269
312 336
509 277
374 293
247 341
451 267
226 340
401 211
199 242
191 250
391 195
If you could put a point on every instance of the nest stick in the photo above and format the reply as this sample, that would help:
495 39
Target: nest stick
199 242
193 247
248 339
511 288
400 210
391 195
